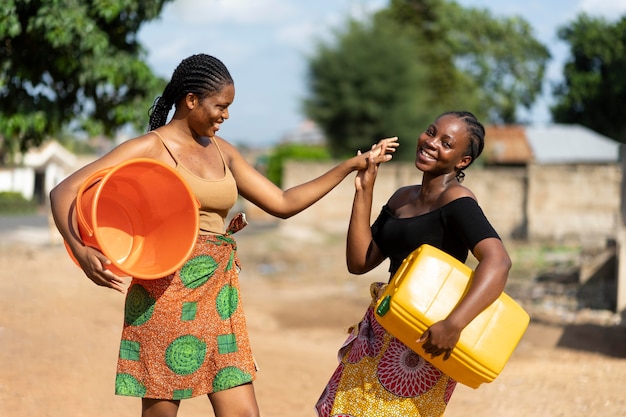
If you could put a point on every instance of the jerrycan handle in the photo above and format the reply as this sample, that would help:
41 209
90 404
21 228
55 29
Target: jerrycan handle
88 183
385 303
403 266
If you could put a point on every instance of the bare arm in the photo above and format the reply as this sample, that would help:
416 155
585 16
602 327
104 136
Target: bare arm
257 189
63 197
362 253
487 284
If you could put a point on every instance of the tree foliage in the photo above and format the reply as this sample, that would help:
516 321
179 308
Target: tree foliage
448 87
414 60
496 61
593 92
72 61
366 86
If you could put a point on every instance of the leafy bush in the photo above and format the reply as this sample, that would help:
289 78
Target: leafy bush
14 203
294 151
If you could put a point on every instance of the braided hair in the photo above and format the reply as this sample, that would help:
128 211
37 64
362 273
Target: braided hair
476 139
201 74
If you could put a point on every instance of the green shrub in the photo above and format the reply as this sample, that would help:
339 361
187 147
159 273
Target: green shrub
14 203
293 151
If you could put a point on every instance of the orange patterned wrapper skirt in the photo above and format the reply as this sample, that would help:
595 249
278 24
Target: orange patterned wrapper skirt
185 334
379 376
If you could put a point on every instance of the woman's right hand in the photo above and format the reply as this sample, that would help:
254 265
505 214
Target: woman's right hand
93 263
365 177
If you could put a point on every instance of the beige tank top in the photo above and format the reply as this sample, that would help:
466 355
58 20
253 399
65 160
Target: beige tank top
216 197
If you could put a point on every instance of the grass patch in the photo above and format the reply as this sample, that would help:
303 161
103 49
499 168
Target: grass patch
15 203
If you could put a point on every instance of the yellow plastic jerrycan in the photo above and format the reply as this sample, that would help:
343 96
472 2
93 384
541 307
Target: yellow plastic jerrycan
426 287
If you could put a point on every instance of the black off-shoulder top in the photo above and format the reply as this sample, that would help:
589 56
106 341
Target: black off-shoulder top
454 228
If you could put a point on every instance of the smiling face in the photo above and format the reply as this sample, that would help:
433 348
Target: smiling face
443 147
208 113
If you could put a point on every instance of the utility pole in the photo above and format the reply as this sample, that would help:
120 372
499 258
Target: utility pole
621 240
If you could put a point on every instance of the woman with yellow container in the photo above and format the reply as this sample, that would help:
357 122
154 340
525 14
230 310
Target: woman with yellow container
378 375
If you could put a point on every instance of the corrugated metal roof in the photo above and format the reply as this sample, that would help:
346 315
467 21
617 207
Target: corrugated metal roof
506 144
547 144
564 143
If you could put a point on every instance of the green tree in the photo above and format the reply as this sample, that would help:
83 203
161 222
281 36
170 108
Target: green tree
593 92
392 74
496 62
365 86
72 61
448 87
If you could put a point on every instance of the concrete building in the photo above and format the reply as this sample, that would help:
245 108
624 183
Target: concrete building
38 171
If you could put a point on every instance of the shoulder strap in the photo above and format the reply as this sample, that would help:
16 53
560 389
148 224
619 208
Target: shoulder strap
221 155
165 145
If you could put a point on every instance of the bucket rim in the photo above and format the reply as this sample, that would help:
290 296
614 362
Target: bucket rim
104 176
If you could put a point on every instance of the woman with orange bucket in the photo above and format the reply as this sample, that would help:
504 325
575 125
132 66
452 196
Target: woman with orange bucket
378 375
184 334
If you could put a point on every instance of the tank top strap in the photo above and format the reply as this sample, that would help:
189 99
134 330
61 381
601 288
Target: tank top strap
226 169
167 148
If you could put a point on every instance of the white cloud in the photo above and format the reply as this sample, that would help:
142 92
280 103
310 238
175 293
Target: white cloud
609 9
234 11
299 36
319 23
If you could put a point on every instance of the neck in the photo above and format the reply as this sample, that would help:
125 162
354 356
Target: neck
433 187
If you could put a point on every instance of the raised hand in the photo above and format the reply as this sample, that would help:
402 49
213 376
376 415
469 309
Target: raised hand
380 152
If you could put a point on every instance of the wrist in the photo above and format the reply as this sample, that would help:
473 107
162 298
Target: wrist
455 322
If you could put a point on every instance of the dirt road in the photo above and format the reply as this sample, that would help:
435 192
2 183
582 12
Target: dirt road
59 338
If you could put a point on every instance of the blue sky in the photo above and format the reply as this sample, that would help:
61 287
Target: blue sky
265 44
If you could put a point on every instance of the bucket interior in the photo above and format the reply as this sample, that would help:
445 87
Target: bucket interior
145 220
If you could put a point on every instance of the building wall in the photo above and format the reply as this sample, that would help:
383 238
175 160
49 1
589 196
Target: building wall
20 180
575 201
541 202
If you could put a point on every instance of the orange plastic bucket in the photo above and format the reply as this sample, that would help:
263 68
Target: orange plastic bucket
141 215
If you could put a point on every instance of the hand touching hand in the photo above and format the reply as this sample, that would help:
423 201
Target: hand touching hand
380 152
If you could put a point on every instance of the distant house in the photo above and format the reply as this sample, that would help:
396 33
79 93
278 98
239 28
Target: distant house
38 171
547 144
307 132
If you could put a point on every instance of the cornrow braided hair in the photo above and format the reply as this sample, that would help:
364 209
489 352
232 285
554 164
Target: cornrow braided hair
477 137
201 74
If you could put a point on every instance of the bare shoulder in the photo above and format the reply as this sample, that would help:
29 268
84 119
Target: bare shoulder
236 162
455 192
144 146
402 195
229 151
147 145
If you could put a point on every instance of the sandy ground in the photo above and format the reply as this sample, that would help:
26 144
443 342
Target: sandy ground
59 338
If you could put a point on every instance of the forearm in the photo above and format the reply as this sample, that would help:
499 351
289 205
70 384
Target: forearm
300 197
487 284
62 208
283 204
359 238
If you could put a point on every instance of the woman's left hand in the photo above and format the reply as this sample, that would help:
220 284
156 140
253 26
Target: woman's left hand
440 339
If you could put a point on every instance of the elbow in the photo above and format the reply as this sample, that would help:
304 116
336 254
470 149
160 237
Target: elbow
507 264
356 269
280 213
53 193
504 267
